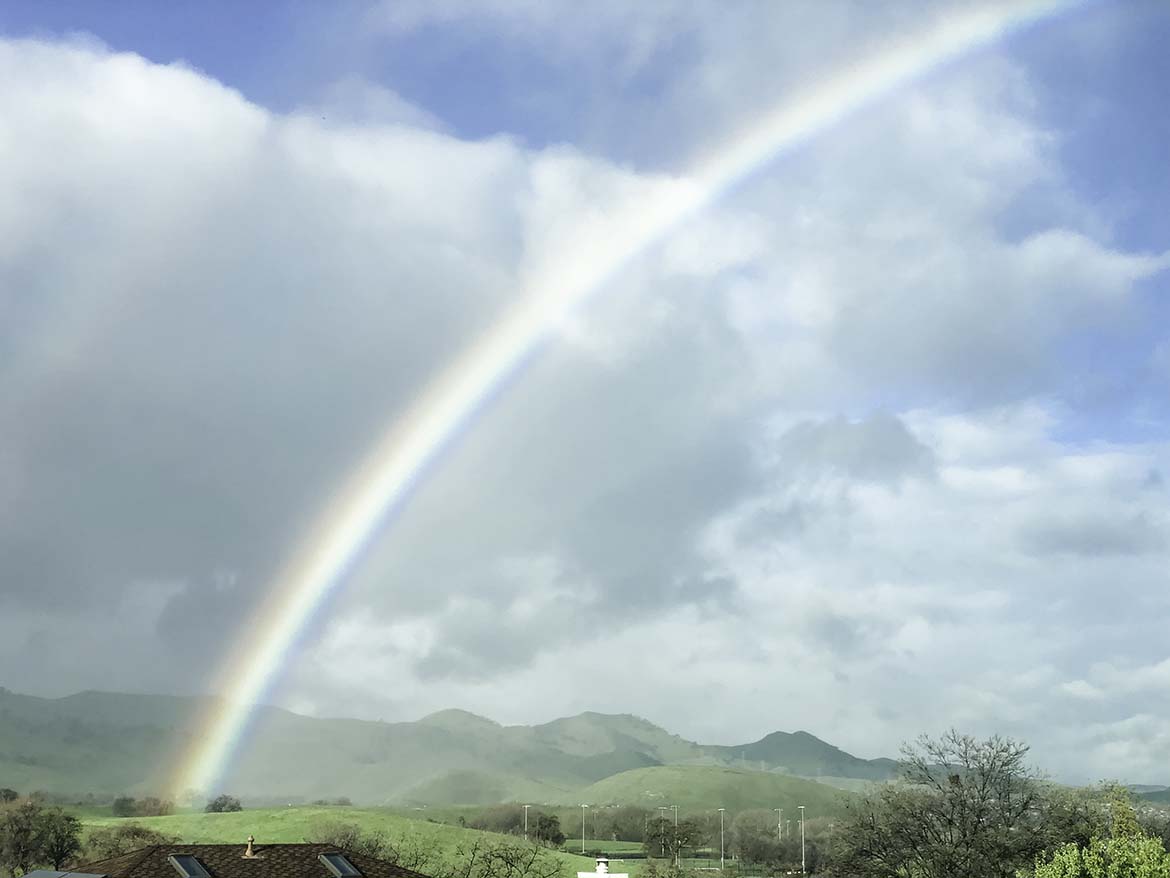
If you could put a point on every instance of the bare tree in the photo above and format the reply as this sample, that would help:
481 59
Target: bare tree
965 809
113 840
488 859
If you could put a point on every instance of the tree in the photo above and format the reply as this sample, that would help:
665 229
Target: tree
666 839
753 837
1128 853
351 837
503 859
8 795
31 835
101 844
667 869
548 830
152 806
60 838
20 837
222 804
125 806
963 808
624 823
500 818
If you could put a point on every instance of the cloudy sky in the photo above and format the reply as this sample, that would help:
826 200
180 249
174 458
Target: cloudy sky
875 445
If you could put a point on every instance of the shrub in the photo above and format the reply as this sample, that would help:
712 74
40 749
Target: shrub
223 803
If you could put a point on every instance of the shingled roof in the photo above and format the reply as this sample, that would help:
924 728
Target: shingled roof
228 861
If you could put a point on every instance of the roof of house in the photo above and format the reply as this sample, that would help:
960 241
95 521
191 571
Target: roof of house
228 861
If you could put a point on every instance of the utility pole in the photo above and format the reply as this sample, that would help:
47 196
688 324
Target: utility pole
676 844
526 807
662 826
721 810
583 807
801 807
779 823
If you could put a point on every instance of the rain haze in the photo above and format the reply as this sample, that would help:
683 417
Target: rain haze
874 443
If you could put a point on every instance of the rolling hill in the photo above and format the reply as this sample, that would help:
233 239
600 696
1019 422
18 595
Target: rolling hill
806 755
108 743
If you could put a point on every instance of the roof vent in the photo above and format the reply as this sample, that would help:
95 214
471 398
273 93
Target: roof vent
339 866
187 866
249 853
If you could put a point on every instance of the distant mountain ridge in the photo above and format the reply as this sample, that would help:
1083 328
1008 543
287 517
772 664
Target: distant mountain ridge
117 743
807 755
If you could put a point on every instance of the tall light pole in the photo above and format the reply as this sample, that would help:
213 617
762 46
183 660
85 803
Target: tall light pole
721 810
675 840
662 826
526 807
583 807
801 807
779 823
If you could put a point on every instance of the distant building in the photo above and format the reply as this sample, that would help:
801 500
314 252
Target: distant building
602 869
240 861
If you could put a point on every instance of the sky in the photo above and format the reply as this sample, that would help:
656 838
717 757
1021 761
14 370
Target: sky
876 445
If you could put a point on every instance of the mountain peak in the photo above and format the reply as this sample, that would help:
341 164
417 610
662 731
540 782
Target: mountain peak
458 720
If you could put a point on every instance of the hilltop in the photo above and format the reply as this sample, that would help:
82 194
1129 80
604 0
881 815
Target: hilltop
108 743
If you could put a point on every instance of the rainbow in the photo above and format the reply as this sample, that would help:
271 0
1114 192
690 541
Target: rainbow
552 289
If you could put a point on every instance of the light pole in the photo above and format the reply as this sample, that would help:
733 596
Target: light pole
675 839
801 807
721 810
779 823
583 807
662 826
526 807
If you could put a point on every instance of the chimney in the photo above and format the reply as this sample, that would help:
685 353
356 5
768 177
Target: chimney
248 852
602 865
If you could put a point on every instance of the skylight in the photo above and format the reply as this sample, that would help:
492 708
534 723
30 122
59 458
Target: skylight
187 866
339 866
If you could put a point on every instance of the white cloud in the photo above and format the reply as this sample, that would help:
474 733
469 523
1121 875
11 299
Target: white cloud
216 307
354 100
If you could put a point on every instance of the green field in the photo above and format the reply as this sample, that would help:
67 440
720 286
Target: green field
602 844
297 824
699 790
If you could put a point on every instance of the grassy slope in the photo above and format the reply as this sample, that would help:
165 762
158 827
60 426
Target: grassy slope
111 743
276 825
702 788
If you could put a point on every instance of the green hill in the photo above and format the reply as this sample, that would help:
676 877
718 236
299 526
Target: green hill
803 754
463 787
108 744
697 788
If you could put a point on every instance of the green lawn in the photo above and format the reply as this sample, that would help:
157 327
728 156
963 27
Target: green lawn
601 844
296 824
